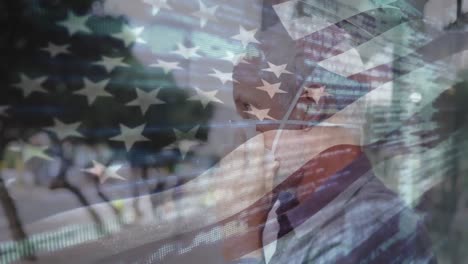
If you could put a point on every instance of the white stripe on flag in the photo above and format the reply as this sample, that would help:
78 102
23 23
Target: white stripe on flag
339 10
399 41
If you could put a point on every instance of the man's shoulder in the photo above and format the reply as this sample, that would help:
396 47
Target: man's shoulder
374 200
358 211
372 223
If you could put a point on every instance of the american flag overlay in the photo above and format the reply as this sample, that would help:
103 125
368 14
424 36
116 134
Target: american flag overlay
249 131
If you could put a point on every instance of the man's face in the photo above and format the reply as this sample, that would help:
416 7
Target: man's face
250 100
270 91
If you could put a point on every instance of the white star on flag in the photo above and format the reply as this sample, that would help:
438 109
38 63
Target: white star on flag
75 24
29 86
3 109
63 130
145 99
130 135
94 89
205 13
157 5
103 172
111 63
246 36
222 76
186 140
316 93
129 35
166 65
29 151
260 114
185 52
271 88
55 50
205 97
234 58
277 69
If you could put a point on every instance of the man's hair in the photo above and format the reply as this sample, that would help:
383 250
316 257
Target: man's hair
301 56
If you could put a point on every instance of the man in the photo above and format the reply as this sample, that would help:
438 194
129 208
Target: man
332 209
